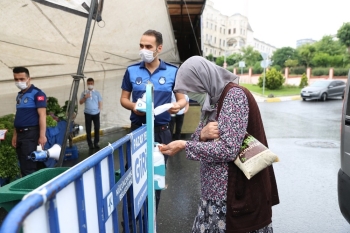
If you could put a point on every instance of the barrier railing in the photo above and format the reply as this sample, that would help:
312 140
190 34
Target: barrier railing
86 197
78 200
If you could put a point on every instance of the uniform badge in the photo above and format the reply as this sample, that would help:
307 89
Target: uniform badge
138 80
41 98
161 80
25 100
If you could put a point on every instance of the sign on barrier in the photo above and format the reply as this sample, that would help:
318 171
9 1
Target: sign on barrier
139 168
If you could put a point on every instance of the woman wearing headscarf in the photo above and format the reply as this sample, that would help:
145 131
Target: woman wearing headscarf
229 202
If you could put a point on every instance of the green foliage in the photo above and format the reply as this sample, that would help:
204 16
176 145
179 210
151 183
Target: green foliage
330 46
8 157
341 71
53 106
8 162
344 34
50 122
220 61
277 67
280 56
319 71
210 57
291 63
303 81
297 70
250 56
273 80
306 53
257 69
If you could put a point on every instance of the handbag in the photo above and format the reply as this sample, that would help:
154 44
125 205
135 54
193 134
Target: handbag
254 156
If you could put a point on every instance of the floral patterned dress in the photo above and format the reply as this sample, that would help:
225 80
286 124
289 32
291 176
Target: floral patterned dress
214 156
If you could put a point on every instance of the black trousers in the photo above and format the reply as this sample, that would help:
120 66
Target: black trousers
27 141
162 135
176 121
88 123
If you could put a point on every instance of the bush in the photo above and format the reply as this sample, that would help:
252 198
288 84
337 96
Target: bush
257 69
341 71
273 80
303 81
320 71
9 168
297 70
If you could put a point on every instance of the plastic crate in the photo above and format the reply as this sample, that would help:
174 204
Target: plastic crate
71 153
13 192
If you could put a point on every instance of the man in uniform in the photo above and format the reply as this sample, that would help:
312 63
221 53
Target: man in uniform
93 105
162 76
30 121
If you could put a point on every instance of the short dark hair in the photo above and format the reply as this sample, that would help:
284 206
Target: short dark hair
21 69
156 34
90 79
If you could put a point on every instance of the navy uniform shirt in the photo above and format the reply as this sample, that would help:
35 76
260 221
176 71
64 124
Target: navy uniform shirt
163 79
26 107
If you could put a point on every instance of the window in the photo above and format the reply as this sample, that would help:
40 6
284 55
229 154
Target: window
215 27
234 31
220 29
223 43
219 41
224 30
229 31
214 40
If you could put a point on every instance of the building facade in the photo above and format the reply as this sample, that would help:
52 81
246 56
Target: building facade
305 41
224 35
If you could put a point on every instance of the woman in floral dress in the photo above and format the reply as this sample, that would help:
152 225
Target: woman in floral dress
215 144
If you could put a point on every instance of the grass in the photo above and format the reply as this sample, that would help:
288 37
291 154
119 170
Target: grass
283 91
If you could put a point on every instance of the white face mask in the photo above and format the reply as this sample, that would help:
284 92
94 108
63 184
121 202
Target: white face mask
198 97
21 85
90 87
146 55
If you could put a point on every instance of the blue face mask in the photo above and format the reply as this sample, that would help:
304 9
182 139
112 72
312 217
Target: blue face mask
198 97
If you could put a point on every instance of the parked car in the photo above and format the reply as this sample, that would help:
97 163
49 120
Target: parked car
344 171
323 89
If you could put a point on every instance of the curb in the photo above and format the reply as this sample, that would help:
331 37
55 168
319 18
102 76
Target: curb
280 99
106 130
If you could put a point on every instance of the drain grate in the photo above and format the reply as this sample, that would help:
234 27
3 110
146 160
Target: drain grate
318 144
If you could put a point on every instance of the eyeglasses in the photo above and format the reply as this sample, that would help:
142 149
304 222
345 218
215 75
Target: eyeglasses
19 98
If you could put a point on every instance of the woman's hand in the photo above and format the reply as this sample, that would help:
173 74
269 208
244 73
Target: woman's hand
210 131
173 147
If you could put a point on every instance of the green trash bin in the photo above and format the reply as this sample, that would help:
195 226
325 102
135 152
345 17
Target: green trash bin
13 192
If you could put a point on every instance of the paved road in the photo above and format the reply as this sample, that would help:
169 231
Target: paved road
305 135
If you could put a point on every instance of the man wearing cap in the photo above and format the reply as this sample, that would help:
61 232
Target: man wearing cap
30 121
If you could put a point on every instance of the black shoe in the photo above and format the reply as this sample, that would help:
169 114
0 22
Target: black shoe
97 146
91 147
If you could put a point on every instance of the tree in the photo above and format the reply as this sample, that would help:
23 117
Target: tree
291 63
303 81
250 56
330 46
220 61
210 57
280 56
306 53
344 35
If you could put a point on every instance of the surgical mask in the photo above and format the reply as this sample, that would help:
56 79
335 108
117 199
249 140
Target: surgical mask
146 55
198 97
90 87
21 85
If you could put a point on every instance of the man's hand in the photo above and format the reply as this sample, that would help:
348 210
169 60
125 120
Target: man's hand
14 140
173 147
210 131
174 109
42 140
138 112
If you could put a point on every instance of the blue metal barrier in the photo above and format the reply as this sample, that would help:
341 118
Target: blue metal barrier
64 204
